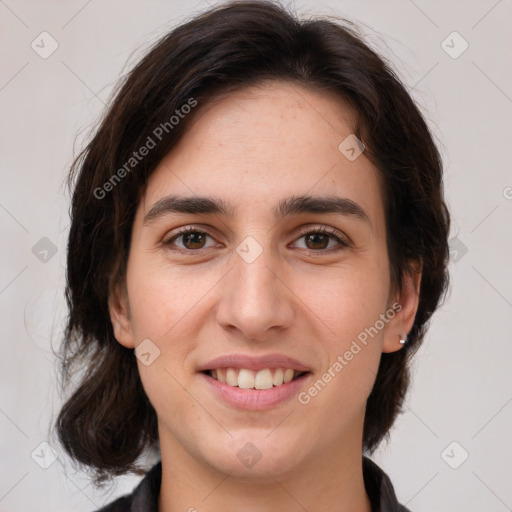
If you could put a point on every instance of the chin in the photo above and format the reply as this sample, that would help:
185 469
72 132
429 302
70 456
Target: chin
257 455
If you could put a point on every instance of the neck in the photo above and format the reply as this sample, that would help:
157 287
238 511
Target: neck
327 481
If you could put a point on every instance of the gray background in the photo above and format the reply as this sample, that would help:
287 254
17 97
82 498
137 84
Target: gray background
462 390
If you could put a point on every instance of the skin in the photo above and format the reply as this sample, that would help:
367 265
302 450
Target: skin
300 297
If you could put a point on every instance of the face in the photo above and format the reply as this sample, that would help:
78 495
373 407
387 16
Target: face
264 286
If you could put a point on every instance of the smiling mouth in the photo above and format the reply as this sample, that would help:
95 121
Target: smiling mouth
250 379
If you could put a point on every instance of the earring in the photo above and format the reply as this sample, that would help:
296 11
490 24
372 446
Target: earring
402 340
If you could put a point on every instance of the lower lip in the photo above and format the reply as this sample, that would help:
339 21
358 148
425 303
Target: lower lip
255 399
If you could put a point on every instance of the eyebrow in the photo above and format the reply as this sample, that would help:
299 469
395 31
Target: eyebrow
293 205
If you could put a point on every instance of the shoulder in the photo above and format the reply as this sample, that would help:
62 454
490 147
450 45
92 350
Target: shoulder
144 497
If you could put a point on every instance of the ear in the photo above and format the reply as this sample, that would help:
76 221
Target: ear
406 301
120 315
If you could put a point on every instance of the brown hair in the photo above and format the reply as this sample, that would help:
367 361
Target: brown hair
108 421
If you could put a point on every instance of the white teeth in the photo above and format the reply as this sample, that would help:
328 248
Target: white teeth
245 379
249 379
263 379
288 375
277 380
231 377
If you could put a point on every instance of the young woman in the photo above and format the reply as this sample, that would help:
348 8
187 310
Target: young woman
258 241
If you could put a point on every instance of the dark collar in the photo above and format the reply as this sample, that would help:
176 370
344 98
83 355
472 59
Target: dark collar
144 498
380 489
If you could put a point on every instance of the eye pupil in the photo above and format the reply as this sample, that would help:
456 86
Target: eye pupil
324 240
193 238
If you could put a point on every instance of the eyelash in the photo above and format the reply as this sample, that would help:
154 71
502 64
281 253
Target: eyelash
309 231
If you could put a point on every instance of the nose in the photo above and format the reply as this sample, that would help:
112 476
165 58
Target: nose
256 300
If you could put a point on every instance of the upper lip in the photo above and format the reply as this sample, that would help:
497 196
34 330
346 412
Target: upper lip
254 362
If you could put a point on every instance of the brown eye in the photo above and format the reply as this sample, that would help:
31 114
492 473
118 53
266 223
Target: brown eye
191 239
323 239
317 241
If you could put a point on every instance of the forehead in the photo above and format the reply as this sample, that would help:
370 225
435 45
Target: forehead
262 143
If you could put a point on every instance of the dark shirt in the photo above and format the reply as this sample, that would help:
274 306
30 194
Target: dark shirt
144 498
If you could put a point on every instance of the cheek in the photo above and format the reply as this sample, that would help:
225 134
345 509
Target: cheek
347 305
167 393
349 308
345 301
165 299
